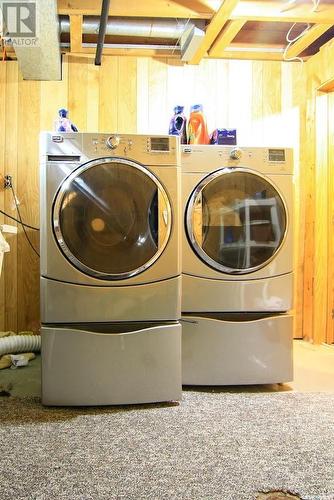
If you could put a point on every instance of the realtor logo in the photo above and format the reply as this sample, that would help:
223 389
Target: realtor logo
19 19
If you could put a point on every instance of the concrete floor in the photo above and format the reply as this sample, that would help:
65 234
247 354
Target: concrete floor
313 372
23 381
313 367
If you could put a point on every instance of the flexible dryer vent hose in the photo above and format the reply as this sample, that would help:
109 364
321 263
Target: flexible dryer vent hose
20 343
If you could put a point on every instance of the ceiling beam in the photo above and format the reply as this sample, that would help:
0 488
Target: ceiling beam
251 10
328 86
273 11
198 6
76 32
225 37
251 55
137 8
216 24
306 40
134 52
257 46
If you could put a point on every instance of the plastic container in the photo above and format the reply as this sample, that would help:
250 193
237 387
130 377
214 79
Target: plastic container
178 124
197 128
4 247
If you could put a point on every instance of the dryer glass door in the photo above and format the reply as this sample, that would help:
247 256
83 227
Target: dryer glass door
112 218
236 220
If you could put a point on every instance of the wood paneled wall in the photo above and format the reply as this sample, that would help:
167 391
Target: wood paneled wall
128 94
317 186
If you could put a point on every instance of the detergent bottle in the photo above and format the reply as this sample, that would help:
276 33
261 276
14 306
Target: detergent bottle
178 124
224 136
197 128
63 123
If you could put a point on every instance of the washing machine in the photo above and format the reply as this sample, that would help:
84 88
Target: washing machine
110 268
237 265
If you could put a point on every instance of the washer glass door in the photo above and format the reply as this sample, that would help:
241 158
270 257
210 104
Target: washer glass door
236 220
112 218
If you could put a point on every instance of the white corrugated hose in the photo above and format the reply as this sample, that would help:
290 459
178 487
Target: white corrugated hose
20 343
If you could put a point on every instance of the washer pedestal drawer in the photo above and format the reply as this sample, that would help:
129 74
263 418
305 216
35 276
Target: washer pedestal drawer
236 350
68 303
111 364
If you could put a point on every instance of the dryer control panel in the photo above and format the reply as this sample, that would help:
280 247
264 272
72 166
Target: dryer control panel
205 158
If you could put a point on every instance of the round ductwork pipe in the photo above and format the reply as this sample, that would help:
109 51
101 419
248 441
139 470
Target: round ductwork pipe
136 27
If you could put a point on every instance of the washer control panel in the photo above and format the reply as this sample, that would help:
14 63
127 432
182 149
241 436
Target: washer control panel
236 154
77 147
113 141
146 149
123 144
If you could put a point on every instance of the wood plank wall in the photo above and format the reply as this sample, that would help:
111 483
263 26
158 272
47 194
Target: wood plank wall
317 186
128 94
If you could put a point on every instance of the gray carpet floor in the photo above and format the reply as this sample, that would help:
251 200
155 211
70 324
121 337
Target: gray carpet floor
214 445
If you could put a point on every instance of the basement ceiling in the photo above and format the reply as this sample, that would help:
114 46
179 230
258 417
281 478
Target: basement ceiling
244 29
238 29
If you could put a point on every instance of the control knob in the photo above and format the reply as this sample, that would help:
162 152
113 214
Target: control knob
236 154
113 141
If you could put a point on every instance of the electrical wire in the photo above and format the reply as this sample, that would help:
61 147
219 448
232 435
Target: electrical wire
184 29
315 5
289 4
290 41
18 221
21 222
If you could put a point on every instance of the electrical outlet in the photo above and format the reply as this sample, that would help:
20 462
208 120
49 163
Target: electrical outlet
8 181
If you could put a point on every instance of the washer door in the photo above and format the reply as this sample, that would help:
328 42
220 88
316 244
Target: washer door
236 220
112 218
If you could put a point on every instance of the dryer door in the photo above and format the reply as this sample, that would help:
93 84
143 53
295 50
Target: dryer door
112 218
236 220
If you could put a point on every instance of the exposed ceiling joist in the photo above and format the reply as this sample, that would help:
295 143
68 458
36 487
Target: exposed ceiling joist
138 8
225 37
256 27
305 41
128 51
258 46
328 86
76 32
251 55
219 19
198 6
273 11
255 10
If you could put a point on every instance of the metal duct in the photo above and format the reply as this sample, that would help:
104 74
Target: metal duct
190 42
136 27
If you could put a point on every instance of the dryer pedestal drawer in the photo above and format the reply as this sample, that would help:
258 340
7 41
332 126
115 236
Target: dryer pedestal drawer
271 294
236 352
121 365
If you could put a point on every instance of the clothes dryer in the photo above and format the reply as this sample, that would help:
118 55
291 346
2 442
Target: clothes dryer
110 268
237 264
